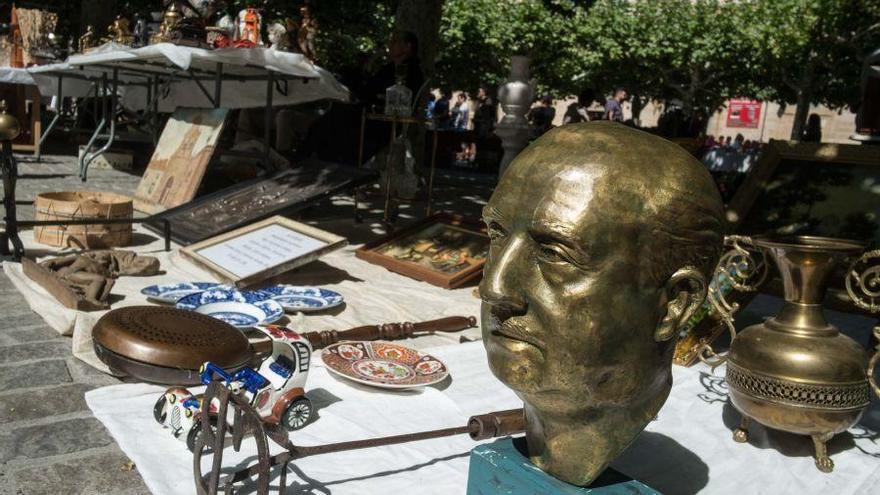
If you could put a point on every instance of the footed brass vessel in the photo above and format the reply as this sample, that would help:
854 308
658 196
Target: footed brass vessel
796 372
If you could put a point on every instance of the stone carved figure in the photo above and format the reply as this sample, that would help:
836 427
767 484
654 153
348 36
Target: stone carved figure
602 241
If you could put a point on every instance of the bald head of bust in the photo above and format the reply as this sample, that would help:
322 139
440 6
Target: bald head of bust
602 241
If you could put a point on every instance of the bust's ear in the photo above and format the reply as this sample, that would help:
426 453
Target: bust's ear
686 291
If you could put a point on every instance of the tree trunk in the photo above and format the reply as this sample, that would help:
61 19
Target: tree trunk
422 17
804 98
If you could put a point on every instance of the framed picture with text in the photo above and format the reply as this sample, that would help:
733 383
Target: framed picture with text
262 250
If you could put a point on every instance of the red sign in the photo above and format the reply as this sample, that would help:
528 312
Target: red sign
743 113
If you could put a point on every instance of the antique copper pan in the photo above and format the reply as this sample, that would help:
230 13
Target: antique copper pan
167 345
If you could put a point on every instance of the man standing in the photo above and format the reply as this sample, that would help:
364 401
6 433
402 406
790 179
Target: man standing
577 111
613 109
541 117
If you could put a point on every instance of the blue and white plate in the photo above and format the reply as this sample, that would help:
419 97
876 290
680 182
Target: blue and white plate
171 293
239 308
304 299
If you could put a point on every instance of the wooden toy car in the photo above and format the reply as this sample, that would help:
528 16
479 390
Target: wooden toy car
275 390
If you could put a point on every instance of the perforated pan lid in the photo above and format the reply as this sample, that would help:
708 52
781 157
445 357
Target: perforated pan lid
171 337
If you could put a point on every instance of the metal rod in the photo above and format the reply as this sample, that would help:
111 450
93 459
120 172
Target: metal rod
431 178
218 84
270 92
55 119
203 89
360 162
300 452
98 131
388 166
113 102
155 114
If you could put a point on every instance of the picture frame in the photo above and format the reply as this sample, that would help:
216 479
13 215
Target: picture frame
759 178
181 158
261 250
280 193
445 250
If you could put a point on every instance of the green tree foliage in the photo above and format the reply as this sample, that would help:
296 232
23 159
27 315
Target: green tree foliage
694 52
477 38
812 51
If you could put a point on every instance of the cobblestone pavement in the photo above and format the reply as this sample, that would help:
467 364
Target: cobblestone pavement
49 441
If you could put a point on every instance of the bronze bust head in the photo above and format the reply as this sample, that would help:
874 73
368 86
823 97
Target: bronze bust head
602 240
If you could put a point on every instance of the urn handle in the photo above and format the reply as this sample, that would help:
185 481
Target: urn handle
739 268
863 287
872 364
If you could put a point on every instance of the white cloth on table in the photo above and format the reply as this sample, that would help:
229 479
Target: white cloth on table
687 449
373 295
16 75
311 82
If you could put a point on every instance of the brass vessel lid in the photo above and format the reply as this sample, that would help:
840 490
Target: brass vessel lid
171 337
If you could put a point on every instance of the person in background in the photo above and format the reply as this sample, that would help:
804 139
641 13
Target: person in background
485 114
442 117
813 130
738 143
429 107
577 111
613 108
727 143
334 136
462 112
720 142
541 117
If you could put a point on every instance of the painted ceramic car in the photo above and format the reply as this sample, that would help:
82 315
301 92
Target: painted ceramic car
275 390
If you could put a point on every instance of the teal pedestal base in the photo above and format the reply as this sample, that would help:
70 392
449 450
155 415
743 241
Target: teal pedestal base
498 468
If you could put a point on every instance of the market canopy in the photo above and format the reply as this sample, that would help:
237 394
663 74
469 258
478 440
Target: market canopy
190 77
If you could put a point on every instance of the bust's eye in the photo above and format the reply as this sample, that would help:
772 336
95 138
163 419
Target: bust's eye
552 254
495 231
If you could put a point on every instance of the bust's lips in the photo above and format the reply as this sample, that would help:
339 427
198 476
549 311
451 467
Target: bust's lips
510 329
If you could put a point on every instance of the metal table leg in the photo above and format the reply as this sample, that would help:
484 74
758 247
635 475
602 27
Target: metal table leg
267 132
98 130
431 177
55 119
9 169
84 167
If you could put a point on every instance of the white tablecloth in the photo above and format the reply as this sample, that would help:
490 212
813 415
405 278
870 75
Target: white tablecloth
687 449
312 82
373 294
14 75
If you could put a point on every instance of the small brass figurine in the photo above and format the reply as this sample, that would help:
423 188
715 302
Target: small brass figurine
602 241
87 40
119 31
305 36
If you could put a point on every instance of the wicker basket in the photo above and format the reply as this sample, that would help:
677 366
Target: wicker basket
83 205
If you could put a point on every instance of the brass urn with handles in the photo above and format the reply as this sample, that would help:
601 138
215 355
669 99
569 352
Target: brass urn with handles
796 372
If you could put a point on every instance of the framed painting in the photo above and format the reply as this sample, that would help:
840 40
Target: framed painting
444 250
280 193
185 148
251 254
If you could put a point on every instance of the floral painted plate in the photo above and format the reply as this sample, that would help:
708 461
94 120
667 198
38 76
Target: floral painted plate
239 308
383 364
304 299
171 293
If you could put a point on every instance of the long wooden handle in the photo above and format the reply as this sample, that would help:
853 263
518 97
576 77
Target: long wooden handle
390 331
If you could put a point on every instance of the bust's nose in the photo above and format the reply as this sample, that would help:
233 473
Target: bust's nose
502 274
